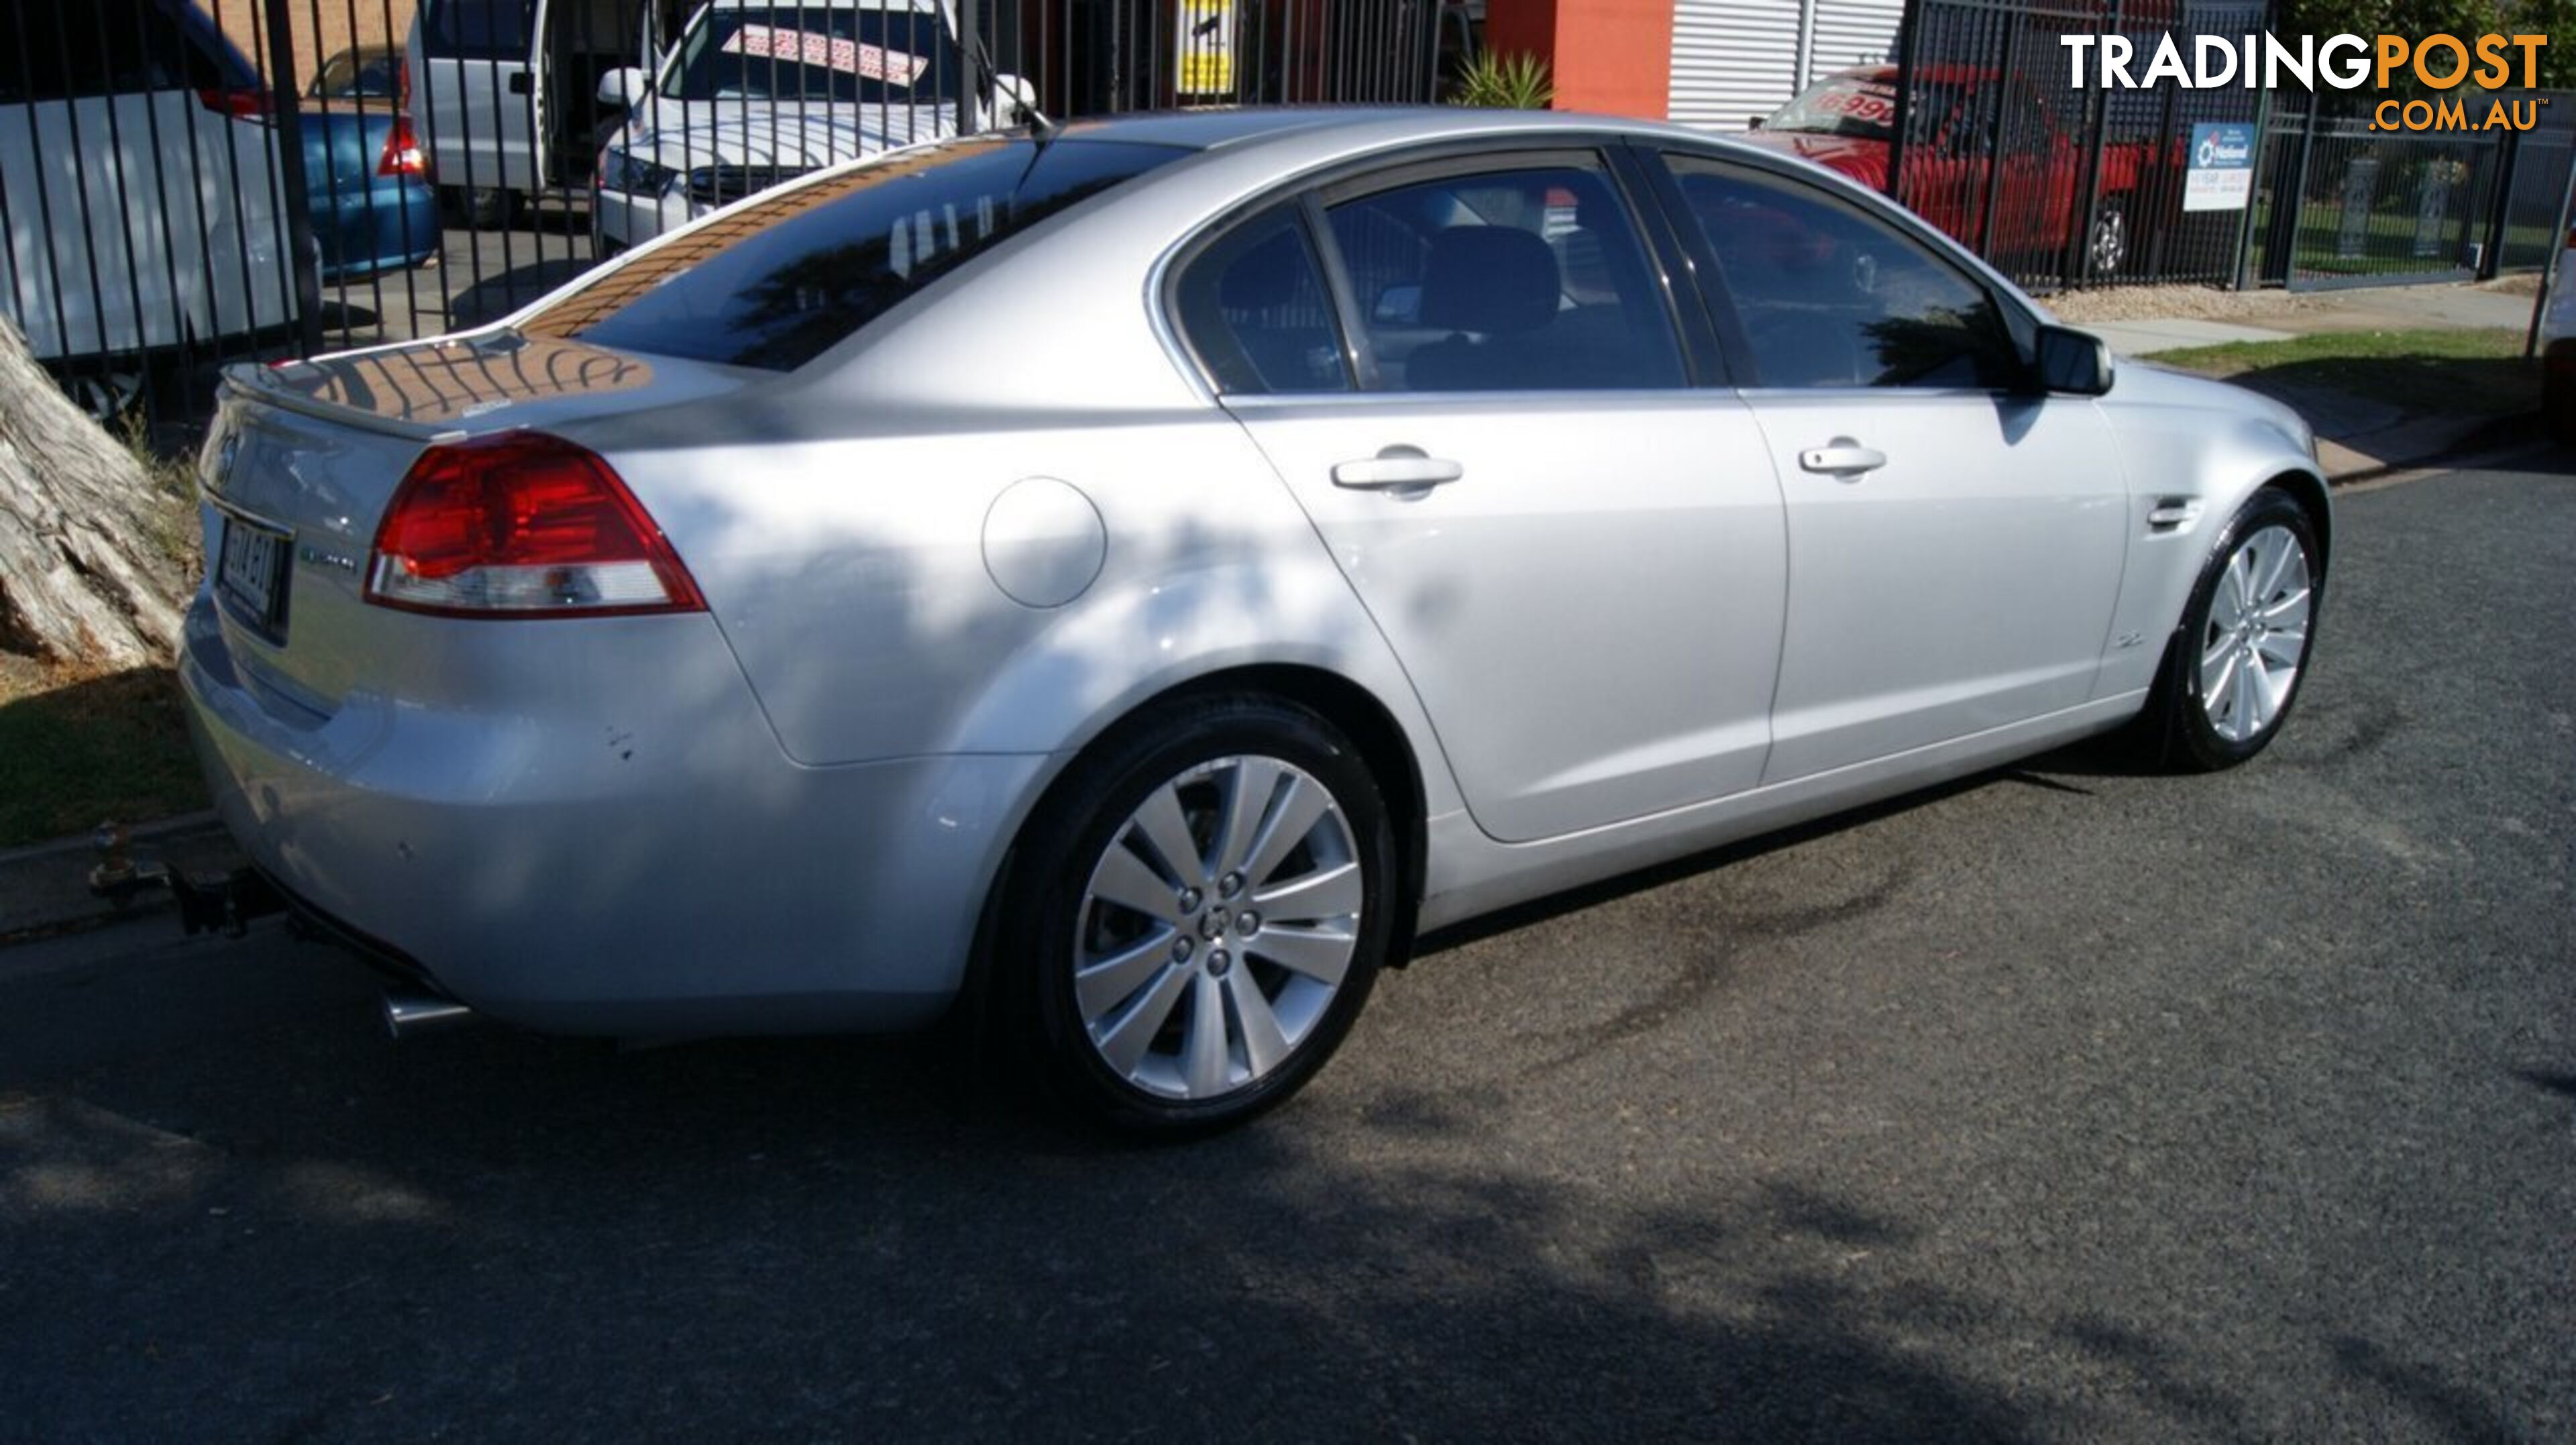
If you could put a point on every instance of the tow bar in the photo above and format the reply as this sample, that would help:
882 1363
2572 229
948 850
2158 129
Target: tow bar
209 903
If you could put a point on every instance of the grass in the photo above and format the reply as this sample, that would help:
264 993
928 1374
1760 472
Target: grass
80 746
2481 373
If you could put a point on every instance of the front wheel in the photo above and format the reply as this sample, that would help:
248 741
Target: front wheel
1198 916
2235 666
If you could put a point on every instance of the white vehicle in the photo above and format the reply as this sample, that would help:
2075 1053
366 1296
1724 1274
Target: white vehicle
138 180
503 90
2558 347
758 92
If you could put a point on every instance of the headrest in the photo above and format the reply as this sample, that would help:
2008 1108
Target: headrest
1491 279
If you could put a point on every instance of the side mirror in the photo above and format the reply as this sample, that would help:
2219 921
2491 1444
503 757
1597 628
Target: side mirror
621 88
2072 363
1015 101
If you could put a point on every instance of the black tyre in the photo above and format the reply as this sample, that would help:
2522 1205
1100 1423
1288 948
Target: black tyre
1198 914
483 208
2234 668
2558 398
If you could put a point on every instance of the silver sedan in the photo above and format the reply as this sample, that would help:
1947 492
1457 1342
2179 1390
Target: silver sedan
1135 575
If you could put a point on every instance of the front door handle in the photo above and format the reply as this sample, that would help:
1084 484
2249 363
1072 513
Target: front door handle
1397 469
1842 457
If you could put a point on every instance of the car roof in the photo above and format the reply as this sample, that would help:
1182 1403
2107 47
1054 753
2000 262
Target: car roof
1328 128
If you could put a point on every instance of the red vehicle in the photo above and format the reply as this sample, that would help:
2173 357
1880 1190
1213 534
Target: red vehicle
1847 121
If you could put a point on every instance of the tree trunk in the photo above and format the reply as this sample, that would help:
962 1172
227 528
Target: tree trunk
83 573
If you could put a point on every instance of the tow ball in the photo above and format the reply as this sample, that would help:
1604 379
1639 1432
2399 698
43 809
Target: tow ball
222 903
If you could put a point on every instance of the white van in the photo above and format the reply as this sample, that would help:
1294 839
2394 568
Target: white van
754 93
504 92
139 177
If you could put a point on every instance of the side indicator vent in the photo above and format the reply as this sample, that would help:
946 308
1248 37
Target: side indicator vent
2173 514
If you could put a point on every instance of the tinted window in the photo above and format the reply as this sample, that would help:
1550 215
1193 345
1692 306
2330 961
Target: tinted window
65 49
1831 297
782 280
873 56
1254 309
477 29
1506 280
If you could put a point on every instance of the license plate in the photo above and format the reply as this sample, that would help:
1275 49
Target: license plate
252 572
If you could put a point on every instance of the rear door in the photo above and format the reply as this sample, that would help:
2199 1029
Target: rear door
1575 551
1955 538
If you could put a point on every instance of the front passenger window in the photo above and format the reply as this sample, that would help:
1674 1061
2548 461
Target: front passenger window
1831 297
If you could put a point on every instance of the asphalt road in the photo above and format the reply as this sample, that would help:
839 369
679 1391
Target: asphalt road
2066 1104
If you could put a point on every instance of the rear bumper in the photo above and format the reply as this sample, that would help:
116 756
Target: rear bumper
646 863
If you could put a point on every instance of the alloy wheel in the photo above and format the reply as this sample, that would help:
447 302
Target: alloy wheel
2256 638
1217 927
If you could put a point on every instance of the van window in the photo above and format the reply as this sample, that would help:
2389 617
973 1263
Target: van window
68 49
791 274
477 29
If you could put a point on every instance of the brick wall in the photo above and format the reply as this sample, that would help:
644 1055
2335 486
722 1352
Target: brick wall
322 29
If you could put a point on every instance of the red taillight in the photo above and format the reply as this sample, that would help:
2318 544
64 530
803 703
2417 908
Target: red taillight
522 525
239 102
402 151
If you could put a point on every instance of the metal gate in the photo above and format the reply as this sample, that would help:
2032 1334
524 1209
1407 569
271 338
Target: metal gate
2061 186
185 183
2342 204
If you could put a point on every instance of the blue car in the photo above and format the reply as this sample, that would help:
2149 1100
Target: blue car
372 208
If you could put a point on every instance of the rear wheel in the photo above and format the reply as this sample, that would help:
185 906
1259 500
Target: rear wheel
2108 245
2233 670
1199 916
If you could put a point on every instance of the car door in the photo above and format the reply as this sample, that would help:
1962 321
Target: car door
1955 537
1576 553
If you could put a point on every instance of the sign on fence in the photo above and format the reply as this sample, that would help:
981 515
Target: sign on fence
2221 177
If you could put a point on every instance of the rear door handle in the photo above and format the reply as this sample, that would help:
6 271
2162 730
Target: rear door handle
1397 469
1842 457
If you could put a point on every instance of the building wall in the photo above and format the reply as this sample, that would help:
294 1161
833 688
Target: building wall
1738 60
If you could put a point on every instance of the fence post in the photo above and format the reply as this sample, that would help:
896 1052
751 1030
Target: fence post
2100 103
2245 226
971 78
2491 257
2551 265
1908 41
298 197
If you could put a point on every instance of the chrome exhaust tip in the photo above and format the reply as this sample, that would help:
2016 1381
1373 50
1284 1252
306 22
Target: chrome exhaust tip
411 1014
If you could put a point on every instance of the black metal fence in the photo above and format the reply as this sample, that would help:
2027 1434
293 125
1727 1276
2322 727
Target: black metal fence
2340 203
187 183
2061 186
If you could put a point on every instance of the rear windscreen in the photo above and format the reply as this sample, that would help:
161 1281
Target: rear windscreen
785 278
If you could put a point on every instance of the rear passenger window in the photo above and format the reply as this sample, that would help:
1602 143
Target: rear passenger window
1506 280
1254 310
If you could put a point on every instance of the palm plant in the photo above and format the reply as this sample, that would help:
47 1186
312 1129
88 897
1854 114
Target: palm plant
1504 82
